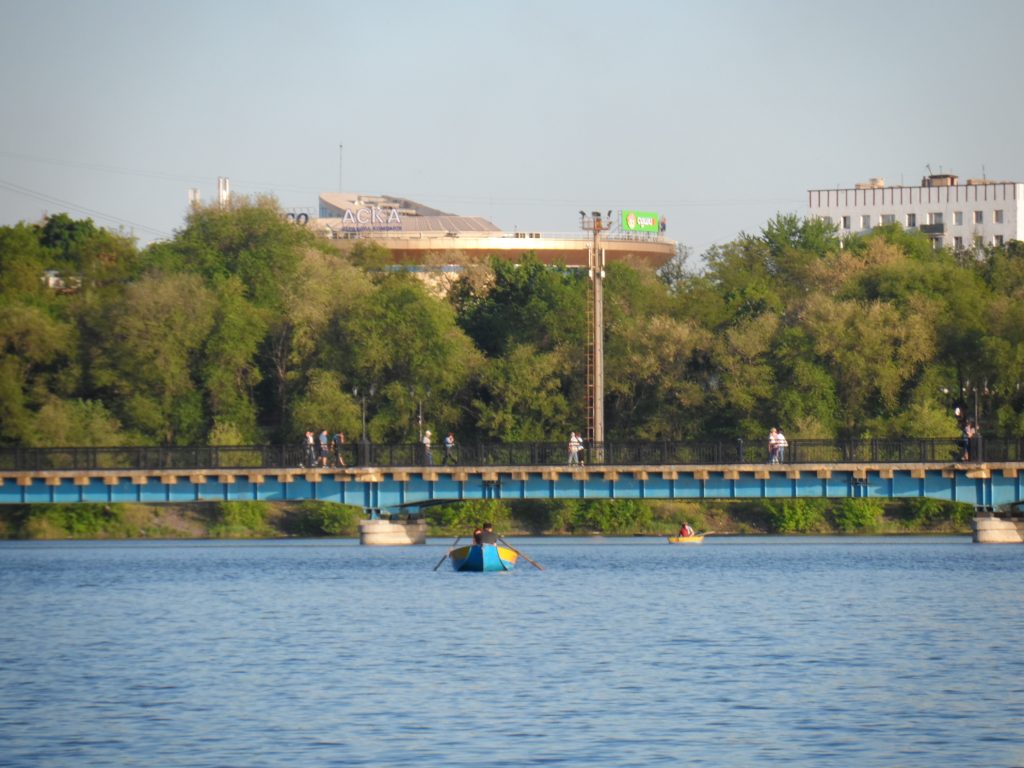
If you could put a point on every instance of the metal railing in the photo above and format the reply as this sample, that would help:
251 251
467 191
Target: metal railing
205 457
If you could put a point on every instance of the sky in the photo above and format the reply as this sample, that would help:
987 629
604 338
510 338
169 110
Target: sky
717 114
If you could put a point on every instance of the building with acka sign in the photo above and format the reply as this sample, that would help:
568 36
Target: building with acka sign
415 233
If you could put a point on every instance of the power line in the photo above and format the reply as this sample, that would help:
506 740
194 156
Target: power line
470 199
25 191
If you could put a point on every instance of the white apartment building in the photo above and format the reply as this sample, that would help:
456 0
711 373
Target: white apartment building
954 215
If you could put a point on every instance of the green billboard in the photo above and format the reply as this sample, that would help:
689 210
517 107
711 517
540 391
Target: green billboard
639 221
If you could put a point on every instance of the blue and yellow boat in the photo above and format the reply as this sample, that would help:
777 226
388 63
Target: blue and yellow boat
483 557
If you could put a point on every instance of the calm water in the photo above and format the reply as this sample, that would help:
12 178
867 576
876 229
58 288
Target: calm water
623 652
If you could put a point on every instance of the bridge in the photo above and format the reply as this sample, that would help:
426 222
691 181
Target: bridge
392 483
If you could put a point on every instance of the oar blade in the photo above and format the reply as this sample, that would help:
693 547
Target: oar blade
538 566
446 554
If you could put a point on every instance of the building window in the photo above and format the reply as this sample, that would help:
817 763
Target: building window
936 243
911 220
979 217
958 243
827 220
999 240
935 218
846 222
958 218
865 221
997 217
888 218
978 241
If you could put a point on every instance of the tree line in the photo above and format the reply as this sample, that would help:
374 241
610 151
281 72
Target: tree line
245 328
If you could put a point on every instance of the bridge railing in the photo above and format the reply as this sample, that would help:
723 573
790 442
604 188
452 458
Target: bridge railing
901 450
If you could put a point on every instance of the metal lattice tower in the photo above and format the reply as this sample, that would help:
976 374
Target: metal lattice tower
595 328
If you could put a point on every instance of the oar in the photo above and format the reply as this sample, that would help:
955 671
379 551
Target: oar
535 565
448 552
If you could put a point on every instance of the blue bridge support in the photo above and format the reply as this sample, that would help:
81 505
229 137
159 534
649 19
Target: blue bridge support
387 492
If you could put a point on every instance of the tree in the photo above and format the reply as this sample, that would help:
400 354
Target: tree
407 343
230 368
521 397
528 303
651 387
250 240
872 351
149 363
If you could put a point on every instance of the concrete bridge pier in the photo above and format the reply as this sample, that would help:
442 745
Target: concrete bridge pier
991 527
384 532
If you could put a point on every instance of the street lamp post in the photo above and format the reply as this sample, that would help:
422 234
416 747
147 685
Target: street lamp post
419 408
364 444
976 448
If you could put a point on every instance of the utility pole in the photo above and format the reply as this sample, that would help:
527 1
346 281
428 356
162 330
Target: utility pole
595 224
340 187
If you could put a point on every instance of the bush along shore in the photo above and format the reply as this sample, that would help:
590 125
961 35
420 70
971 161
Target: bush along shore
623 517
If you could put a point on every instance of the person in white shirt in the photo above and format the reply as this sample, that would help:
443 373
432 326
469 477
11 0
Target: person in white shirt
428 458
574 448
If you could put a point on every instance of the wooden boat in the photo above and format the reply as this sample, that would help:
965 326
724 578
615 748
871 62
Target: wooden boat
697 538
483 557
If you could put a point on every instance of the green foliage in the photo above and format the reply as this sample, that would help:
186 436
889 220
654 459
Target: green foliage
325 405
369 255
250 240
76 521
797 515
857 515
61 233
464 517
229 370
80 423
613 517
521 396
244 327
324 518
930 514
240 519
149 362
528 303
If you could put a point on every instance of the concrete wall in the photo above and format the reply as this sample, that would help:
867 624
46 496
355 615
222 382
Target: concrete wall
388 533
995 530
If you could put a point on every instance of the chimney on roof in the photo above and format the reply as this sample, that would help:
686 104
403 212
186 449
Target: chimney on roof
876 183
939 180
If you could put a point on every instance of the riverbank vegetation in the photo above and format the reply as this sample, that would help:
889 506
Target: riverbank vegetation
311 519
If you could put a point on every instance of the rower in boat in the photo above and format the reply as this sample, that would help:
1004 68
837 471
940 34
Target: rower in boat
485 535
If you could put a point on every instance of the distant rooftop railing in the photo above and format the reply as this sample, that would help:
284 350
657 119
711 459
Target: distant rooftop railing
397 234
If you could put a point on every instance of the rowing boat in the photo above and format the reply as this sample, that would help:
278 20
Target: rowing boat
697 538
483 557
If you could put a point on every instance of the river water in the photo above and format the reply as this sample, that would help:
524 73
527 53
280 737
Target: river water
622 652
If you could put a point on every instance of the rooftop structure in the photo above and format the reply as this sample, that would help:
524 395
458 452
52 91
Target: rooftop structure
954 214
411 230
352 214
